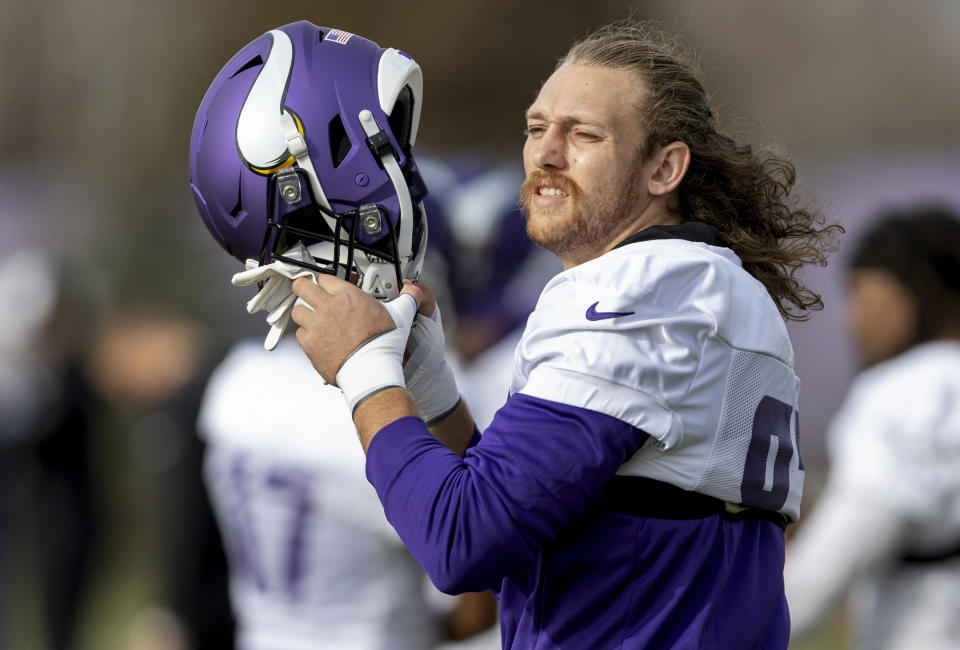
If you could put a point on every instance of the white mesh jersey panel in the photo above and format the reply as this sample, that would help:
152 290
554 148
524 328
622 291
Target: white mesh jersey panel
752 378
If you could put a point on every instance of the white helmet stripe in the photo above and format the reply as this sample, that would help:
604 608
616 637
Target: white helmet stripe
393 73
260 138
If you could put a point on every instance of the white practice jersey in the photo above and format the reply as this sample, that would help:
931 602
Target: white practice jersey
893 492
675 338
314 563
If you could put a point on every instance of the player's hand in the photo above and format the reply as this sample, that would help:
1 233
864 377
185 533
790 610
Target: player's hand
428 376
354 341
276 297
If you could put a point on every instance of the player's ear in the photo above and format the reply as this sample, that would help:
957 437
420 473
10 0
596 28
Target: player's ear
670 162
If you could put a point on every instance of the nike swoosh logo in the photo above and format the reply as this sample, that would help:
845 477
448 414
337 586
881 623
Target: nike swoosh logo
593 314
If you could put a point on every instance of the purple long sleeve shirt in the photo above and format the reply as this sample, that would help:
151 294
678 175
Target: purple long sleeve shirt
514 515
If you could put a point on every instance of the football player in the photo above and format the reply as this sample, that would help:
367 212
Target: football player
301 163
633 490
887 525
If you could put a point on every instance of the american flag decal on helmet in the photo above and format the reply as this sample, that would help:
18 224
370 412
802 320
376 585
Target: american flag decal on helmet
338 36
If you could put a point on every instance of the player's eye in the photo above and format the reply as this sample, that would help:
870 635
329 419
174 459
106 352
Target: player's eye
534 130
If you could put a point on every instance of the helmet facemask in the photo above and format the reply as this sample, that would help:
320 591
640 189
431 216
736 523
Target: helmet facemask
336 240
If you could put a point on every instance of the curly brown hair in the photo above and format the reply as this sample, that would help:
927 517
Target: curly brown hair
743 193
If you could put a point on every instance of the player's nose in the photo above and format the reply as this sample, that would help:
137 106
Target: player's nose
547 152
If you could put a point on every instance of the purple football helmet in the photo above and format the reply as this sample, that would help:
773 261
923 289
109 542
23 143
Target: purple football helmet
307 134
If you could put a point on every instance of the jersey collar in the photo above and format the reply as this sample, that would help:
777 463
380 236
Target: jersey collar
696 231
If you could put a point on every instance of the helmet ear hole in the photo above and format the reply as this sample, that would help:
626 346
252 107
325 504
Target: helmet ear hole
419 223
255 62
401 118
339 141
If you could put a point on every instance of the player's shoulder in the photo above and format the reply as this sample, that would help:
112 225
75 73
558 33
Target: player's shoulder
660 274
253 389
933 360
239 357
247 360
671 281
910 403
901 418
923 373
641 267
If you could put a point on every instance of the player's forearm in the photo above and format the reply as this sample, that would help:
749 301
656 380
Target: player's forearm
379 410
456 431
474 612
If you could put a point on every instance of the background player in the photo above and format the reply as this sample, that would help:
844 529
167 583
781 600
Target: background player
314 563
887 526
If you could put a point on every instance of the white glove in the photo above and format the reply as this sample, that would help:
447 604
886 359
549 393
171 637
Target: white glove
428 377
377 363
277 297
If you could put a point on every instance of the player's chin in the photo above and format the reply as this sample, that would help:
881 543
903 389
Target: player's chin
548 228
554 215
536 222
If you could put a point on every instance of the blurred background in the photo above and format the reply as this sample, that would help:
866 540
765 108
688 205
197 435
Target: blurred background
117 298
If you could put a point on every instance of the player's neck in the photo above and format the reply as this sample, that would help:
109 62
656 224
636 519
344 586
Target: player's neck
656 213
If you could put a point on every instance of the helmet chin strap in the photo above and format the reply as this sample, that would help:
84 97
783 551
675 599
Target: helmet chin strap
297 146
390 165
380 277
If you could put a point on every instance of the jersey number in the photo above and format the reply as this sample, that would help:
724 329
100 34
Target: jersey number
289 492
766 473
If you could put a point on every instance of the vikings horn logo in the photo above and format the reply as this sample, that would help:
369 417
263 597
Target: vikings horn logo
261 141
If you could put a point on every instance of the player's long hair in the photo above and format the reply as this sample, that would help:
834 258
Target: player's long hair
743 193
